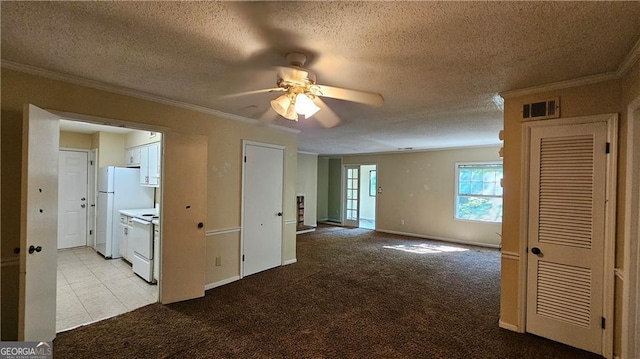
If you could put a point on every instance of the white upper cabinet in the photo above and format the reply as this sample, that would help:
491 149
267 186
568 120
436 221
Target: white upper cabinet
150 165
132 157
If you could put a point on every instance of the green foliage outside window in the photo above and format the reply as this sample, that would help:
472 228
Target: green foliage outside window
479 192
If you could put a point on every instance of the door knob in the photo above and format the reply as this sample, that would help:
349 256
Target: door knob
200 225
83 205
536 251
279 214
83 199
34 249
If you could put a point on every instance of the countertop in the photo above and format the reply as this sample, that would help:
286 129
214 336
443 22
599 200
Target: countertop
145 214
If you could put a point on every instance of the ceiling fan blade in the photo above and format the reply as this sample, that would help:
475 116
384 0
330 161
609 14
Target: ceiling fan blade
325 116
234 95
369 98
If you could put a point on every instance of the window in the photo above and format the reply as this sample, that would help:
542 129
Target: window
372 183
478 192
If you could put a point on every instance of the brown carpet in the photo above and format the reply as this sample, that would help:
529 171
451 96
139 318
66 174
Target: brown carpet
347 297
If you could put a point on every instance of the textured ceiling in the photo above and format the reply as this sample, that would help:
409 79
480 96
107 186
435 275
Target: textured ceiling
439 65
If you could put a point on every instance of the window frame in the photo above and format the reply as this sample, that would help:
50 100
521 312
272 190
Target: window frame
456 189
374 188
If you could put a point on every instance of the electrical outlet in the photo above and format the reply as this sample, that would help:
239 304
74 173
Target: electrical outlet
218 261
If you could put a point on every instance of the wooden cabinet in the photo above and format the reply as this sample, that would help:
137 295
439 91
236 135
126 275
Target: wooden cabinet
150 160
132 157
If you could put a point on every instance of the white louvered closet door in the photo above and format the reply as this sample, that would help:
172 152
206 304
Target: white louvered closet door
567 201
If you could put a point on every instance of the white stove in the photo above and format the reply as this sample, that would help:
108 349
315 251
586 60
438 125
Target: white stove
141 238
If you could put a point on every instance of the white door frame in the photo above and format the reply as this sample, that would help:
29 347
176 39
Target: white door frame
360 164
610 220
89 190
115 123
345 173
246 143
92 190
629 276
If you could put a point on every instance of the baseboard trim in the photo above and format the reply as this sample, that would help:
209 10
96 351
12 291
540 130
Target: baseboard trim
290 261
10 261
332 223
290 222
216 232
460 241
221 282
507 326
306 231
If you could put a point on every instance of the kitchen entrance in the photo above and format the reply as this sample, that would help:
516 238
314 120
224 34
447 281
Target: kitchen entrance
118 271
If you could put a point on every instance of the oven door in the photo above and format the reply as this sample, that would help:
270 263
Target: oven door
141 237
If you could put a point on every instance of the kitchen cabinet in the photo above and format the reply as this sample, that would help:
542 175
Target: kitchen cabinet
150 159
126 249
132 158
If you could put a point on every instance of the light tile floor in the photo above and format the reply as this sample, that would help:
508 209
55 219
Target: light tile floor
92 288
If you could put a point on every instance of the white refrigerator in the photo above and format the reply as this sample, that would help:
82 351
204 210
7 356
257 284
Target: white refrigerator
118 188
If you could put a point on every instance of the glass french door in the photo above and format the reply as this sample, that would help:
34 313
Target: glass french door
352 196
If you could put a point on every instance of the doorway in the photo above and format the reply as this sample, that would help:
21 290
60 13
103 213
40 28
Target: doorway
360 190
571 211
368 192
262 222
185 172
73 168
91 287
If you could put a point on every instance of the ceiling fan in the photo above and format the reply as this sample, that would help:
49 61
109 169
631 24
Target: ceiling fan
302 95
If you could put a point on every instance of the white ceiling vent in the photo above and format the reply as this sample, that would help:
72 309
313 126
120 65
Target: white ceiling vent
541 110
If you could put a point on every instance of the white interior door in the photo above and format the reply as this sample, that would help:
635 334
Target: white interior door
38 233
567 212
72 199
352 196
184 211
262 208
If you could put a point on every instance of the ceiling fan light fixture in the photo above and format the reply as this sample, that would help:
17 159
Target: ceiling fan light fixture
305 106
283 106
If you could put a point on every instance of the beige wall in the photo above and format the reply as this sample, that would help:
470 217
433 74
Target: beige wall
612 96
226 246
323 189
139 138
75 140
111 149
334 193
308 186
224 163
419 189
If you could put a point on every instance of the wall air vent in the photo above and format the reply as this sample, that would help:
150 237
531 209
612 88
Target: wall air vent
541 110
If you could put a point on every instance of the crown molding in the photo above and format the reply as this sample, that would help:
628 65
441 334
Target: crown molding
625 66
32 70
308 153
582 81
417 150
630 60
